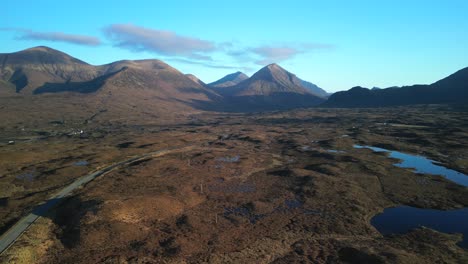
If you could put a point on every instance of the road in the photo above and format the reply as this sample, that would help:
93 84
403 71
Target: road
10 236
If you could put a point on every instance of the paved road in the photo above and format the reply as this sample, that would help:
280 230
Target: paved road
9 237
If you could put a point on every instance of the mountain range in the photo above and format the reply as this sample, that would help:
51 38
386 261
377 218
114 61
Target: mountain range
234 79
271 88
450 90
147 86
45 80
45 84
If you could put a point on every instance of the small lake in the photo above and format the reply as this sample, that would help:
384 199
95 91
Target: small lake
422 165
27 176
399 220
81 163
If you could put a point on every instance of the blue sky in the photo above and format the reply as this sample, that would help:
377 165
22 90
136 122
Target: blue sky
334 44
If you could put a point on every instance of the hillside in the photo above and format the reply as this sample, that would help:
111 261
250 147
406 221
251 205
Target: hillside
452 89
313 88
43 85
195 79
31 68
271 88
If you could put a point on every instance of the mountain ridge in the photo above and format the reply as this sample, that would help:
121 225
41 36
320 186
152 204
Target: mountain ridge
46 82
269 79
30 68
152 83
229 80
314 89
270 88
451 89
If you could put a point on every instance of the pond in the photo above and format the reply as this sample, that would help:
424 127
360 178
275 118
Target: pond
422 165
401 219
27 176
234 159
81 163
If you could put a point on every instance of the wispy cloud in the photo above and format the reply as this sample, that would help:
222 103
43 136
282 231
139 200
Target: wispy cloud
209 64
272 54
180 48
260 55
136 38
27 34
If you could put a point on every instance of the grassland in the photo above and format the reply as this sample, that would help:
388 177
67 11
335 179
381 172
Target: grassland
277 187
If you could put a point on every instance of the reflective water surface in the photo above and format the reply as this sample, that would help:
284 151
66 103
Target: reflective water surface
399 220
422 165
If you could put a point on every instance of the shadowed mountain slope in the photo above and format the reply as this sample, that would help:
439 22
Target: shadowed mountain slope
50 82
31 68
195 79
271 88
314 89
42 83
452 89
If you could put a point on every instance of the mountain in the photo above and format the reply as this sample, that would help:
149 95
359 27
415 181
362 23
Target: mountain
452 89
379 88
229 80
43 80
45 84
28 69
271 88
314 89
269 80
137 77
195 79
42 70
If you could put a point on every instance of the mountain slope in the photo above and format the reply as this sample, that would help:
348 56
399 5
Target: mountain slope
314 89
452 89
42 70
43 84
150 84
229 80
158 80
195 79
28 69
268 80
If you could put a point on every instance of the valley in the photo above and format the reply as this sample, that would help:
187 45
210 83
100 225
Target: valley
272 187
203 132
136 162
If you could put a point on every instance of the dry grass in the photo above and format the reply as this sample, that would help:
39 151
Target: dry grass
286 198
